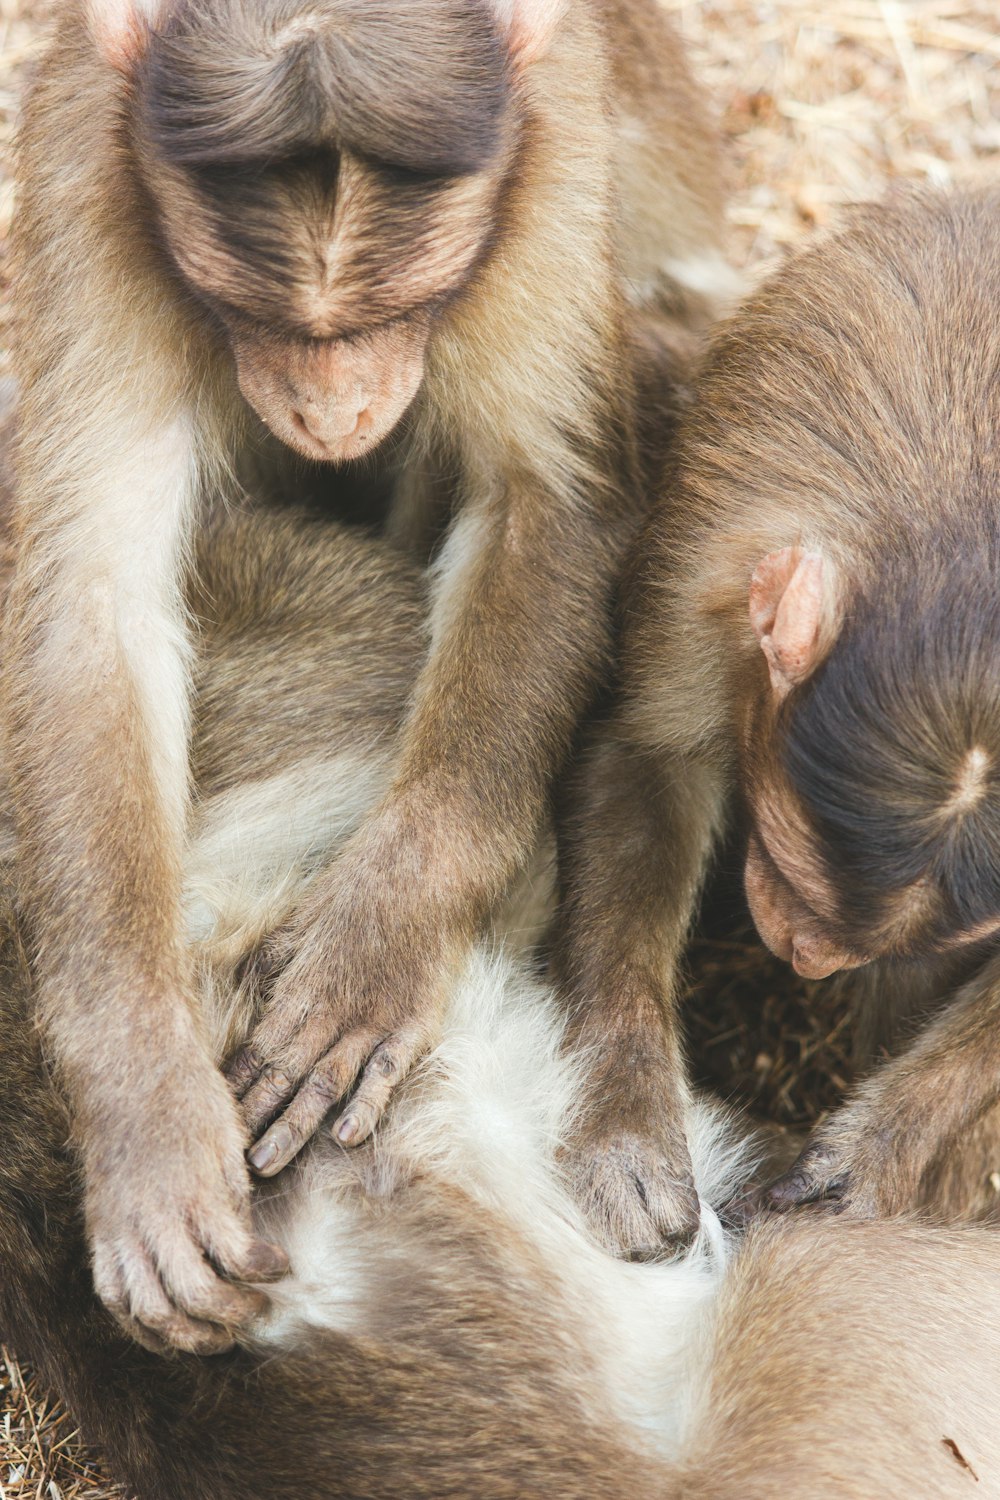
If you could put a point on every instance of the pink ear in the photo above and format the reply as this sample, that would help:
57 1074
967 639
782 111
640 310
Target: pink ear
791 598
529 25
121 28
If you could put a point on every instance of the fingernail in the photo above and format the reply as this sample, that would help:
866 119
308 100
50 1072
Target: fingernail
347 1128
263 1154
266 1262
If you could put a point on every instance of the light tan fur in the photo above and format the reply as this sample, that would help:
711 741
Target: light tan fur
451 1326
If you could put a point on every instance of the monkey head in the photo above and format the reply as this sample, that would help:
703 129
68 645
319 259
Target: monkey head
872 763
325 176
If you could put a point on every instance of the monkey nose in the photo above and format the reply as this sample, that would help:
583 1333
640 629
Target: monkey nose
814 963
331 423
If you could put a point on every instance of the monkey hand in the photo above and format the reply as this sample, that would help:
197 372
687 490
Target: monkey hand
167 1206
358 1003
629 1165
850 1165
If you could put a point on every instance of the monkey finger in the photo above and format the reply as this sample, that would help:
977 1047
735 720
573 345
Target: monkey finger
280 1031
673 1207
150 1305
741 1210
804 1183
242 1069
386 1069
268 1096
325 1086
202 1296
109 1284
261 1261
230 1243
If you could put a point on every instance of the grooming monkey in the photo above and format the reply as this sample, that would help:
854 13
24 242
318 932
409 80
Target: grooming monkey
812 625
449 1327
336 221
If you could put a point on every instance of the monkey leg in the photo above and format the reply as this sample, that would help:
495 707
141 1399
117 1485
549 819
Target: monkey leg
635 838
871 1156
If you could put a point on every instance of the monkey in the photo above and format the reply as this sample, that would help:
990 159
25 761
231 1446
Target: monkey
318 229
450 1325
808 643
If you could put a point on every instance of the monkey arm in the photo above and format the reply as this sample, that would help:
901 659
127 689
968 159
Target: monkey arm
871 1155
111 434
518 627
97 697
635 837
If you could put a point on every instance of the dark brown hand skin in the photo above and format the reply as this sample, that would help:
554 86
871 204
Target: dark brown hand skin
358 999
870 1158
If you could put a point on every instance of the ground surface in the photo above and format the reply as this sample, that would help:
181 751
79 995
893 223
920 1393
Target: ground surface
822 105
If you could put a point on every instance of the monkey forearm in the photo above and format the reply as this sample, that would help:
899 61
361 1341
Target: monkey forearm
634 845
943 1082
520 629
633 850
97 692
100 848
872 1153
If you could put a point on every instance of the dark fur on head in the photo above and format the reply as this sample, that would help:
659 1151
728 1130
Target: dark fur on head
325 169
421 86
893 748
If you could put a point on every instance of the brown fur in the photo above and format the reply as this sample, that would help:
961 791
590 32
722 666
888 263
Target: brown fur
843 1360
848 413
456 200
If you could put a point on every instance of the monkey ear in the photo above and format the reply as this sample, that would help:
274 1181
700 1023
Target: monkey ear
529 25
121 28
792 605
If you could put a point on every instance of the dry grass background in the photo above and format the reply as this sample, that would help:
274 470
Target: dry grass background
822 105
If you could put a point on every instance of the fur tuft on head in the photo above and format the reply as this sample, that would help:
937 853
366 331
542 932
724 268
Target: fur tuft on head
421 86
121 28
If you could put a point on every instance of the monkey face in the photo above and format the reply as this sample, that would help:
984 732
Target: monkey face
327 182
328 279
799 905
332 399
791 901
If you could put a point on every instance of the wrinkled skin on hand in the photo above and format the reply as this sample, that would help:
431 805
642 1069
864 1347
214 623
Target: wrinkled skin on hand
853 1164
167 1204
629 1165
358 1002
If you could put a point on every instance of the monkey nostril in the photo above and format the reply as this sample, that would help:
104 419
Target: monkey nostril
323 428
301 426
